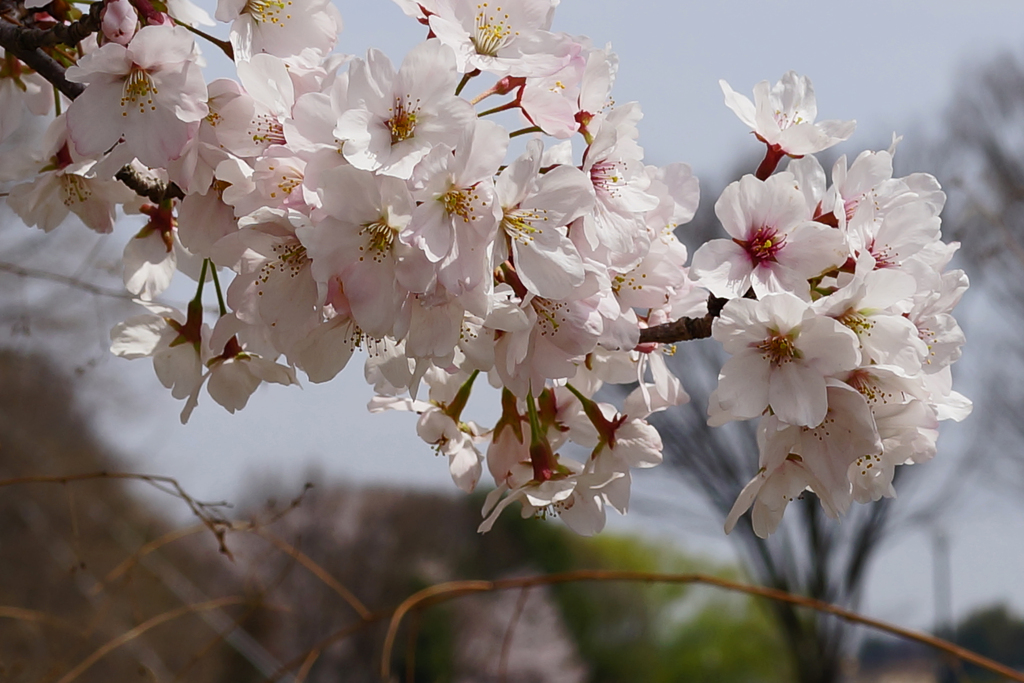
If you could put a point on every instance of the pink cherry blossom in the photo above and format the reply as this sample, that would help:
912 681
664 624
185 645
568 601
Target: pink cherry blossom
149 96
775 247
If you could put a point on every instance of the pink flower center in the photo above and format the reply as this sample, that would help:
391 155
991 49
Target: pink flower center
764 246
608 177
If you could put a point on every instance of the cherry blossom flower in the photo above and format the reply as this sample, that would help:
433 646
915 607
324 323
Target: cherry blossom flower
354 205
782 354
614 233
440 425
535 210
457 217
69 186
500 37
395 119
174 342
234 372
283 28
783 116
149 95
356 240
119 21
794 458
274 287
20 89
775 247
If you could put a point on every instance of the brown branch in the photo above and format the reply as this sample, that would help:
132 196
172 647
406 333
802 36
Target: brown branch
27 39
86 663
24 43
250 526
21 614
410 647
144 550
339 635
40 62
506 642
154 190
21 271
684 329
206 512
318 571
447 591
307 666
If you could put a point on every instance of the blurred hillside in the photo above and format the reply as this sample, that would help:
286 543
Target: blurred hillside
94 586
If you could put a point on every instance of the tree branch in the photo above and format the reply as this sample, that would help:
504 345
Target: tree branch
26 38
99 290
40 62
446 591
25 43
154 190
684 329
207 512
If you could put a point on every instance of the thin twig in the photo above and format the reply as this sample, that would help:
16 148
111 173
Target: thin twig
146 549
176 534
22 614
506 642
447 591
316 570
337 636
224 45
117 642
410 646
307 666
21 271
214 642
206 512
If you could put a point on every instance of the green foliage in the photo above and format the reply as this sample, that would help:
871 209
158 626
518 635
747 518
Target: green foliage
993 632
657 633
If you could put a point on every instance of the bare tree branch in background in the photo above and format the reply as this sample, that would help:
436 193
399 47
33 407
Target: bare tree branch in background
983 159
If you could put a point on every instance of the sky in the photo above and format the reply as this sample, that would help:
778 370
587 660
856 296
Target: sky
890 65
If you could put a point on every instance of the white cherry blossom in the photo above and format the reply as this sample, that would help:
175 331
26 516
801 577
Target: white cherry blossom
149 96
782 355
783 115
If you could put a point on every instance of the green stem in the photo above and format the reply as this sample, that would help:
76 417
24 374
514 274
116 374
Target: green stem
500 108
605 427
524 131
198 298
220 295
465 79
56 100
458 404
535 429
576 392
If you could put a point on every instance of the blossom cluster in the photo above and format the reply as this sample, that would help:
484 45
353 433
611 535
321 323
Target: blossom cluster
360 205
